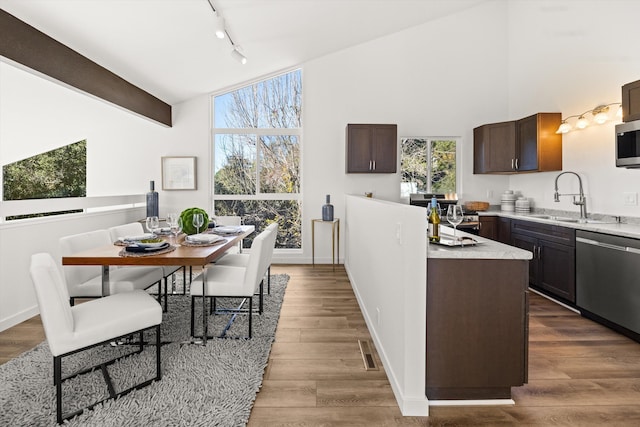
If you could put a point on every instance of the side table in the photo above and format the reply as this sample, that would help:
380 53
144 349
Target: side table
335 238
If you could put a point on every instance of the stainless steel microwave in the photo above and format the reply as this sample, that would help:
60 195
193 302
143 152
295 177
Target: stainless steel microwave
628 145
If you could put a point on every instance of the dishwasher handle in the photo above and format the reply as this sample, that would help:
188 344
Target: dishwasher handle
608 245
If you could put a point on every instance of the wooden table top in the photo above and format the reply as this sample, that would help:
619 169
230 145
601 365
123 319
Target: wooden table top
182 255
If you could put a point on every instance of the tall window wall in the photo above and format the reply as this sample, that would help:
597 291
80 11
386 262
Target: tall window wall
257 132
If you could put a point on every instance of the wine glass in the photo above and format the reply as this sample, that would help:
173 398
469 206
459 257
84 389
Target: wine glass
153 223
171 218
198 221
454 217
176 228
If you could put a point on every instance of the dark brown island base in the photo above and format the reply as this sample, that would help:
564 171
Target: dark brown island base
477 320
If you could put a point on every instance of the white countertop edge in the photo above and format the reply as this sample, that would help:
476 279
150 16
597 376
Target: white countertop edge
616 229
485 249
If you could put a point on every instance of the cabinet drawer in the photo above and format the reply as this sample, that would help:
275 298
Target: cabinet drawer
548 232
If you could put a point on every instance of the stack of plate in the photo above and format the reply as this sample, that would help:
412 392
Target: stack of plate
522 205
508 201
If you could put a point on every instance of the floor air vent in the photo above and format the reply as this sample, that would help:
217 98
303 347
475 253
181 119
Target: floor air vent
367 356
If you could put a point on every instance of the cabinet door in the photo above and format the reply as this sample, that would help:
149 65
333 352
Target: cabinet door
384 147
631 101
480 150
556 269
501 146
359 154
504 230
528 243
527 147
489 227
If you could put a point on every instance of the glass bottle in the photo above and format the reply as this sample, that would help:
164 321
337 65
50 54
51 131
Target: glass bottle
434 222
152 201
327 210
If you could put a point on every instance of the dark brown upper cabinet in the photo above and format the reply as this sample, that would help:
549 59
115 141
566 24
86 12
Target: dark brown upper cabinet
371 148
631 101
526 145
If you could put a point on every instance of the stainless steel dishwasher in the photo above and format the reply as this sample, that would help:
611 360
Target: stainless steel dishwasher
608 277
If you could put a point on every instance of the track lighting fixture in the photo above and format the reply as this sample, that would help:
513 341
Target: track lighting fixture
221 33
600 115
238 55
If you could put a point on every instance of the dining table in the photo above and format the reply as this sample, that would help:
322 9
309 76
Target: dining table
181 253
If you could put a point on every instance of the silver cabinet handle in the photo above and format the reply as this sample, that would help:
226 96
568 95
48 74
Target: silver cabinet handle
516 164
512 164
370 165
374 165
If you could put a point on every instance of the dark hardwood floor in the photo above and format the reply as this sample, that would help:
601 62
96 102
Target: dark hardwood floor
580 373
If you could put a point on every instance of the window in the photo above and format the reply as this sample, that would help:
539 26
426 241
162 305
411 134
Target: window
57 173
428 165
256 148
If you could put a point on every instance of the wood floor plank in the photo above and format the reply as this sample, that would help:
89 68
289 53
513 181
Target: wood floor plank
580 373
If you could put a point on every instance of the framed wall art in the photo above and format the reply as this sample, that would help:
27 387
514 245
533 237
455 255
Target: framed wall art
179 173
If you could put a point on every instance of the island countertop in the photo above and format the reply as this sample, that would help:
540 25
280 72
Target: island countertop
483 249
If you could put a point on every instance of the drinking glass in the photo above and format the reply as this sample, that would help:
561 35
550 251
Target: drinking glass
153 223
176 228
198 221
454 217
171 218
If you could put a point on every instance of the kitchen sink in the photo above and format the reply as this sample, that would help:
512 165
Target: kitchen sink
566 219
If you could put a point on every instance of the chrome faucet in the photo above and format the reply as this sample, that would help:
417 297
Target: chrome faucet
581 200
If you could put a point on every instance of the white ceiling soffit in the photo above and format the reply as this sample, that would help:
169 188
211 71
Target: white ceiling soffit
168 47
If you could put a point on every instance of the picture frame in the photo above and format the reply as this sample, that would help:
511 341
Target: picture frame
179 173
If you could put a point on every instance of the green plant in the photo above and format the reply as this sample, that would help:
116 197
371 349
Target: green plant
187 220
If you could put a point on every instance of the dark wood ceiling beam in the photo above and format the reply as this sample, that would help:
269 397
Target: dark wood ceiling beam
22 43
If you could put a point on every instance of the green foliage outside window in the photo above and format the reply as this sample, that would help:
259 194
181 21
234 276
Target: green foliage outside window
57 173
428 165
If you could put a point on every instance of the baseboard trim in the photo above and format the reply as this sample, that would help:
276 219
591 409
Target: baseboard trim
18 318
479 402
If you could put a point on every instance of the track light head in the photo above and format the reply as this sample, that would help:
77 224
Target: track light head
219 27
238 55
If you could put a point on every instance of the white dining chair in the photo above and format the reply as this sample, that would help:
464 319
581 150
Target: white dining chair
230 221
70 330
136 229
86 281
233 282
241 259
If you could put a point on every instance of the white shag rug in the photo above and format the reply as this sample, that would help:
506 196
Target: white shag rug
214 385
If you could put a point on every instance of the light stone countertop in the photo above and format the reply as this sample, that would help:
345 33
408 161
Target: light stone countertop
602 226
484 249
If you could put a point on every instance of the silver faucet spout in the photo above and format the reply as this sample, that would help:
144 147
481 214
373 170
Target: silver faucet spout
581 201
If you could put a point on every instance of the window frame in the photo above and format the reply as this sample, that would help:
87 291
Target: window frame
428 155
257 132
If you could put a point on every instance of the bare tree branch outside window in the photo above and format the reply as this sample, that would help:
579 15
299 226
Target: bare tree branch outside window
257 155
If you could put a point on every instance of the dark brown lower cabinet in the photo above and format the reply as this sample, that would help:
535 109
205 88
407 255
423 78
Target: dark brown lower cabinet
552 268
488 227
477 328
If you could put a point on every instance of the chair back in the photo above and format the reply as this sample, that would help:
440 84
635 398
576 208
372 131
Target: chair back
53 300
131 229
69 245
228 220
253 273
270 244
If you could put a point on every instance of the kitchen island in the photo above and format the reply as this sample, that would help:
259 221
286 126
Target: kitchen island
477 319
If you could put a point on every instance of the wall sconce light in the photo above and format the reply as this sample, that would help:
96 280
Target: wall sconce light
599 115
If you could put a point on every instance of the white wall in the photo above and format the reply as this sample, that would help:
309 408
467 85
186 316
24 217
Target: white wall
386 260
571 56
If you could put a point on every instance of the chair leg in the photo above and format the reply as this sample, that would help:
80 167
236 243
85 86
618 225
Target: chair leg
184 280
192 315
57 380
158 359
72 301
261 305
166 294
269 280
250 314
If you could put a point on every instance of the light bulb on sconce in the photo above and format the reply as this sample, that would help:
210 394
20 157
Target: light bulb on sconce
599 114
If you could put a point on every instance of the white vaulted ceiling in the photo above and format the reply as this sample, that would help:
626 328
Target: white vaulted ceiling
168 47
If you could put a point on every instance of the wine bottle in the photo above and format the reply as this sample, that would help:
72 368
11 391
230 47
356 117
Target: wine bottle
434 222
152 201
